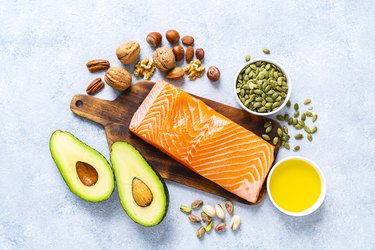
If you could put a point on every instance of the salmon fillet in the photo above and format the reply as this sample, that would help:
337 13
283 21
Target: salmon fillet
203 140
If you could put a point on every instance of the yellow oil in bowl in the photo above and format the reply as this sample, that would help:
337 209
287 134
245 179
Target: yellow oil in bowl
295 185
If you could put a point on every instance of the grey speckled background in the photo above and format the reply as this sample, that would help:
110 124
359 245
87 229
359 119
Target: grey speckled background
327 46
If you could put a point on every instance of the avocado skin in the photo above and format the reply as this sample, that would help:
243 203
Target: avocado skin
65 177
165 189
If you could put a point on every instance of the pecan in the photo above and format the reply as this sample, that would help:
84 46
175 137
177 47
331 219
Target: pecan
95 86
97 65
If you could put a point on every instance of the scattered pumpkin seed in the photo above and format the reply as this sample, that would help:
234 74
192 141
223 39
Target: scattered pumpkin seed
303 117
298 136
313 130
275 140
286 145
288 104
296 148
268 129
296 106
310 108
290 121
247 58
279 132
285 129
309 137
314 117
307 129
296 114
309 114
266 137
307 101
266 51
280 117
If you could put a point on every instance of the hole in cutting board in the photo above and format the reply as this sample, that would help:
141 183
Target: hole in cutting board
79 103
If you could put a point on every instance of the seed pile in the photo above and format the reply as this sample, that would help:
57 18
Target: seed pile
208 213
261 86
298 120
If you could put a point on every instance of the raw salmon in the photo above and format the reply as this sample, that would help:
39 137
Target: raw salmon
203 140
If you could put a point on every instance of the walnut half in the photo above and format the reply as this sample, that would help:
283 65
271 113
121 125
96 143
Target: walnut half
194 69
144 68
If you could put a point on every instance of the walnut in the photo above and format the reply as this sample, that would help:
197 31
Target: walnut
164 58
144 68
194 69
128 52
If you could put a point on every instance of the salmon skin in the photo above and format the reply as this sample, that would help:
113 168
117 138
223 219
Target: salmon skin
203 140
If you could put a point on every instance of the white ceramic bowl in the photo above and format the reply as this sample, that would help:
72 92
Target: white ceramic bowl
323 191
287 80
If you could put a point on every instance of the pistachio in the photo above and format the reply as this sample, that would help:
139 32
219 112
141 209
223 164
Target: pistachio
209 210
307 101
220 227
201 232
196 204
229 206
219 211
205 217
235 222
193 218
209 226
185 209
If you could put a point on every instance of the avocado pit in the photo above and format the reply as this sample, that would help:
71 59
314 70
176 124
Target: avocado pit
142 194
86 173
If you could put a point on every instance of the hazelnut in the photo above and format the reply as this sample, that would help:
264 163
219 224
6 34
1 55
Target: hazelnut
118 78
164 58
178 52
188 40
154 39
175 74
213 73
172 36
189 53
199 53
128 52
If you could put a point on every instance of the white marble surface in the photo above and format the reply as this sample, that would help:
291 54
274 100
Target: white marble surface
327 47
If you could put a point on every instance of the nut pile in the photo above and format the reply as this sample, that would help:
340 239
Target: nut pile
164 59
298 121
261 87
208 214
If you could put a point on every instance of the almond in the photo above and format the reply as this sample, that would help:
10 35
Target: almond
175 73
199 53
189 53
188 40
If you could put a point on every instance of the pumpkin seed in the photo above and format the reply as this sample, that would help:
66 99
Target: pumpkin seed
286 138
296 106
267 124
302 123
257 104
288 104
275 104
313 130
275 140
307 101
310 108
279 132
298 127
280 117
303 117
309 137
296 114
247 71
309 114
314 117
247 58
238 90
242 92
266 51
296 148
285 129
286 117
266 137
262 110
268 129
290 121
295 122
307 129
286 145
298 136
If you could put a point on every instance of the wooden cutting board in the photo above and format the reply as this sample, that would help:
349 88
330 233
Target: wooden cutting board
115 117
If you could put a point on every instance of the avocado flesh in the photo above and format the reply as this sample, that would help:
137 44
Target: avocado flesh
72 156
129 165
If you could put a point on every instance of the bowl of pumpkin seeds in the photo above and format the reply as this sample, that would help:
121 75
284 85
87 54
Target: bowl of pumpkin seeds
262 87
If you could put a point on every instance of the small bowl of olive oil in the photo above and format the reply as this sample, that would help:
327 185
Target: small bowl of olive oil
296 186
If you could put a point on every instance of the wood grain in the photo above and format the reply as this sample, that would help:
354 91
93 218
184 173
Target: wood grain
115 117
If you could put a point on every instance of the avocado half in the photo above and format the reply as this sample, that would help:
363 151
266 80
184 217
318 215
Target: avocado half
86 172
143 193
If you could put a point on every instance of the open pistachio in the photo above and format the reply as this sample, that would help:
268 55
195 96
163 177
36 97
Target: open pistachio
229 205
209 210
201 232
209 226
185 209
196 204
193 218
235 222
205 217
220 227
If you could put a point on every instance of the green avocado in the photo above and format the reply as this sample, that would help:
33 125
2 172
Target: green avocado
143 193
86 172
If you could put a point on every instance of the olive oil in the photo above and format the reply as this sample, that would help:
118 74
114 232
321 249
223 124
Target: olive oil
295 185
